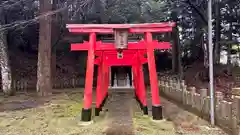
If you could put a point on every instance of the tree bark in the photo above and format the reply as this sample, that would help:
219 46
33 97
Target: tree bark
230 39
44 85
55 35
53 67
4 60
176 56
5 67
229 46
217 48
176 62
206 50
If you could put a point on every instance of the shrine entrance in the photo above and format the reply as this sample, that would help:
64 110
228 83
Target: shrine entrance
121 77
121 53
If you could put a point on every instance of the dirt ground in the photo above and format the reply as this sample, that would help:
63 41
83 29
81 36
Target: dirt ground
59 114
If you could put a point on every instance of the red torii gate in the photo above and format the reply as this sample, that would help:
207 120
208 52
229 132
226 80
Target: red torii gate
132 55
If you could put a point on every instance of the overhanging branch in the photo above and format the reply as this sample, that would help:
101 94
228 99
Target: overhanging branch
197 11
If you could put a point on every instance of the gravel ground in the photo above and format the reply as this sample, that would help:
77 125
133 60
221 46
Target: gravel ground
59 114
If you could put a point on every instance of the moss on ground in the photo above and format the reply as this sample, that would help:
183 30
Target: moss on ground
67 110
64 105
54 115
144 125
59 115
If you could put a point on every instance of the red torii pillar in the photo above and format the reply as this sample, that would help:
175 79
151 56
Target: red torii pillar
102 83
140 90
86 111
94 48
156 107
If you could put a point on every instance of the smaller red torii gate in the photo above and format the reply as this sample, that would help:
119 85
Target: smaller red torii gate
109 55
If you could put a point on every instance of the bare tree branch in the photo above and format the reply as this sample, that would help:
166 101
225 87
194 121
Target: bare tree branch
196 10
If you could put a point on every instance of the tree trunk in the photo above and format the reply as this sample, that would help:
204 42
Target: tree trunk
4 60
176 54
44 85
5 66
230 38
53 68
229 46
217 47
66 12
205 49
54 37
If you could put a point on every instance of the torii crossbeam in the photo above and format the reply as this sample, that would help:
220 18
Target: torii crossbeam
121 53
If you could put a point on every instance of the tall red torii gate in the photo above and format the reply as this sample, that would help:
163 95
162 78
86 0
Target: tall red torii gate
131 55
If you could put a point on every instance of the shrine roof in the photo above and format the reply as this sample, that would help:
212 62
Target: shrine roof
132 28
123 26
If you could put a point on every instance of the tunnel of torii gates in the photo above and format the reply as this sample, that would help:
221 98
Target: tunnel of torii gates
120 53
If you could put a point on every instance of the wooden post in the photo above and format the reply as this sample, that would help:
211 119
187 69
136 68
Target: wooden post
100 81
105 82
132 78
170 86
135 79
87 110
184 100
110 77
142 90
193 91
115 81
166 89
156 106
235 115
107 72
203 97
182 84
219 98
136 82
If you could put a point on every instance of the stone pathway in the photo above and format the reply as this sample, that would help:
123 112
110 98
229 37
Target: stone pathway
120 112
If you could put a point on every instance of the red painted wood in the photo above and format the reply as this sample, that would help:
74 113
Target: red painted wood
114 52
125 52
110 30
152 70
135 77
133 56
97 61
107 26
103 77
106 81
153 30
139 77
141 45
121 63
82 30
135 80
99 84
105 73
89 73
142 59
127 59
142 90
